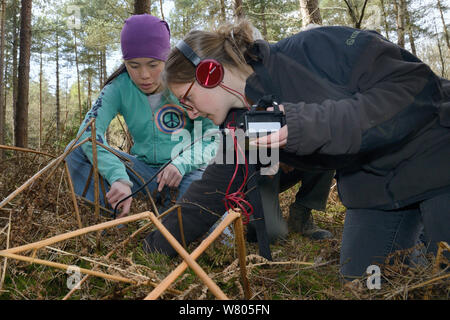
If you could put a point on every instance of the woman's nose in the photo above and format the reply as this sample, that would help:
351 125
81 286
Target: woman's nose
145 73
193 114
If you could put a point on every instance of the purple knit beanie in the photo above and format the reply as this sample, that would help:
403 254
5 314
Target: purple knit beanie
145 36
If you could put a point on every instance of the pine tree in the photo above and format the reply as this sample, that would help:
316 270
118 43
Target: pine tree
21 121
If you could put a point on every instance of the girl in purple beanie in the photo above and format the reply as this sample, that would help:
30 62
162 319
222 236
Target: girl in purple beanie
154 118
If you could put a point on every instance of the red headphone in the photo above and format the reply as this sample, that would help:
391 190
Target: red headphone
208 72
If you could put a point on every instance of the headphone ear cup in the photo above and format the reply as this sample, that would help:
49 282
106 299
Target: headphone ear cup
209 73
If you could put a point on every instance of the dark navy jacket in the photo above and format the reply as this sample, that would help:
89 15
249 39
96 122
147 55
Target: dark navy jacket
360 104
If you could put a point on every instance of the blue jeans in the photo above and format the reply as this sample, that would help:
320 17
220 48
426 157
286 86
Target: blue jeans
80 166
371 235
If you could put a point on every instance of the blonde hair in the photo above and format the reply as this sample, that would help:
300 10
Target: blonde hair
228 45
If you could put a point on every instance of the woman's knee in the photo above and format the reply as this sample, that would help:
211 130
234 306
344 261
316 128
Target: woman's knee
75 155
369 236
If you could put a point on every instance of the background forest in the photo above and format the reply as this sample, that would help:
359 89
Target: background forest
55 56
75 46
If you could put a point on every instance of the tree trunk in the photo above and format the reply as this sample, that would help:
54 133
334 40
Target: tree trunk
162 11
223 14
238 10
2 82
6 79
78 75
410 31
89 100
310 13
386 25
100 69
352 11
105 76
21 121
142 6
58 102
15 53
264 19
399 8
441 56
40 98
447 40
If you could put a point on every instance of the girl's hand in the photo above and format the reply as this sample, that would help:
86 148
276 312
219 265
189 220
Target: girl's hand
170 177
118 191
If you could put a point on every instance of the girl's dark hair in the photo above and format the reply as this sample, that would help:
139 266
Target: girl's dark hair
228 45
115 74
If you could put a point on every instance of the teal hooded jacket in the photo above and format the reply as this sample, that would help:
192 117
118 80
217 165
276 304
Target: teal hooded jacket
157 135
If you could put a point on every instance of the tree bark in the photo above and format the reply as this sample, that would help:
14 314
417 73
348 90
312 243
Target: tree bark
40 98
410 31
447 40
89 98
223 15
15 53
105 76
238 10
2 82
386 25
5 78
21 121
78 75
264 19
310 12
58 102
100 69
441 56
354 13
399 8
162 11
142 6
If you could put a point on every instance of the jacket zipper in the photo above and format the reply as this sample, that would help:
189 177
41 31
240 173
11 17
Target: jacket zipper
154 136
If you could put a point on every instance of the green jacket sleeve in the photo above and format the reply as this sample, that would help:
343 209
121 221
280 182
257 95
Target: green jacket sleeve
201 152
104 110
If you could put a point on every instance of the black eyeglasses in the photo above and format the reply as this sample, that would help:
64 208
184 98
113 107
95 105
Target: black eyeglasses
183 101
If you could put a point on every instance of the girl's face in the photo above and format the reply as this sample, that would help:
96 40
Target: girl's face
145 73
211 103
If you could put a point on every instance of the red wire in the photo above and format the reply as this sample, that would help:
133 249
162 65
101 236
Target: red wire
237 198
247 105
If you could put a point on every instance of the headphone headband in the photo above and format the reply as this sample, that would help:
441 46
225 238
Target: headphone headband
208 72
188 53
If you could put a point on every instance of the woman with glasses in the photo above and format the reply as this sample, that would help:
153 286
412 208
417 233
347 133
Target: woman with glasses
353 102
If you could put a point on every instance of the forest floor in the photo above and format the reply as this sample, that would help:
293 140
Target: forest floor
301 268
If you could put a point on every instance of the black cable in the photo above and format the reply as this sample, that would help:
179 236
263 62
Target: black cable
164 166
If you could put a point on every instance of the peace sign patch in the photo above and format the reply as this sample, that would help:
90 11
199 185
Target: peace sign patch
170 118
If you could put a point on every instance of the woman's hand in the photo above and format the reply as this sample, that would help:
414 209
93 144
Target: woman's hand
170 177
277 139
118 191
